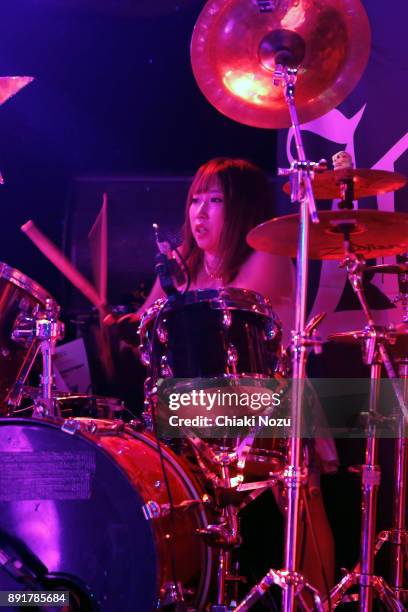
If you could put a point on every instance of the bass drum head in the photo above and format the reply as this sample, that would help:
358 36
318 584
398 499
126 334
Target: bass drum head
69 511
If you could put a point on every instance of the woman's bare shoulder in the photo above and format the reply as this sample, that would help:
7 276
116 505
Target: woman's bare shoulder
260 258
270 275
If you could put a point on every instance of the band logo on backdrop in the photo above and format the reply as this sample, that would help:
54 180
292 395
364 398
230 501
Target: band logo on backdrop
332 296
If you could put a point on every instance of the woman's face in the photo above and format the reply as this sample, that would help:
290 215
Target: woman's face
206 215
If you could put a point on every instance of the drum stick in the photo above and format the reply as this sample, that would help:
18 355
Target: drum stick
59 260
98 238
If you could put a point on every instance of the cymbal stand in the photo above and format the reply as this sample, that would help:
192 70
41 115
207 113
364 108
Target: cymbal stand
375 354
43 329
289 580
15 395
403 288
398 534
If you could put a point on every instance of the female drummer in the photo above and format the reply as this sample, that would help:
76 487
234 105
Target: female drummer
227 198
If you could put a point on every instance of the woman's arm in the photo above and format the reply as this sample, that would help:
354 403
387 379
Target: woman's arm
273 277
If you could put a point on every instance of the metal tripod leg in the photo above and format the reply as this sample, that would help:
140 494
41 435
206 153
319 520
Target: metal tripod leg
283 580
375 354
376 584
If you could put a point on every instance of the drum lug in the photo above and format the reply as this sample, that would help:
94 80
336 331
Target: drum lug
165 369
232 357
271 330
70 426
144 355
23 329
226 319
136 425
162 333
170 595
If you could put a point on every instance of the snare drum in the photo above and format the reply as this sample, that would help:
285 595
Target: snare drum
85 502
18 295
212 333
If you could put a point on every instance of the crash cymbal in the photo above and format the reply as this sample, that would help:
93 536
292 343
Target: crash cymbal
388 269
373 233
10 85
236 45
366 182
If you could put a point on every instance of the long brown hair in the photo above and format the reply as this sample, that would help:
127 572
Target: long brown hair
247 202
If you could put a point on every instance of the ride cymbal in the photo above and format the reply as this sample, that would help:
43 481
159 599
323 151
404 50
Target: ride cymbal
237 44
373 233
366 182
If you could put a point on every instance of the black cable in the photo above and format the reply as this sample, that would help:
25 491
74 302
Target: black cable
186 269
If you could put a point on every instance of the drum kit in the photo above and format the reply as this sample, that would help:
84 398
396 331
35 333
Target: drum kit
104 508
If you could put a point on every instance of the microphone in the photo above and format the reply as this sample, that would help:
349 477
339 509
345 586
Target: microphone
167 266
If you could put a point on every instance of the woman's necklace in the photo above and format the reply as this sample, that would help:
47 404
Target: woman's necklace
212 275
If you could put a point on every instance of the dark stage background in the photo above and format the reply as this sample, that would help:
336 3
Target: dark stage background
114 95
115 107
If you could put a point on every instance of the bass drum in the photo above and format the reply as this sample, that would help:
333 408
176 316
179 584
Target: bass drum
74 497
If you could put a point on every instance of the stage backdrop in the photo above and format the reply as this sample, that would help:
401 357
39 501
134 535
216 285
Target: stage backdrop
372 126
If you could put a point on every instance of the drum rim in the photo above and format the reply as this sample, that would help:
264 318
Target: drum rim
225 298
24 282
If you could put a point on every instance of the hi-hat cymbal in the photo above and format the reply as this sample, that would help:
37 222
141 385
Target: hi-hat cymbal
236 45
397 337
366 182
398 268
10 85
373 233
352 337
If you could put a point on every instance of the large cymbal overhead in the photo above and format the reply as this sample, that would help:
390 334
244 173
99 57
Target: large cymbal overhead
10 85
237 43
366 182
373 233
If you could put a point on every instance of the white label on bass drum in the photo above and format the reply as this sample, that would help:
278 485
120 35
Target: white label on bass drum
49 475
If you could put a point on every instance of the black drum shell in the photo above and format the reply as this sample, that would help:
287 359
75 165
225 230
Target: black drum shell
212 333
